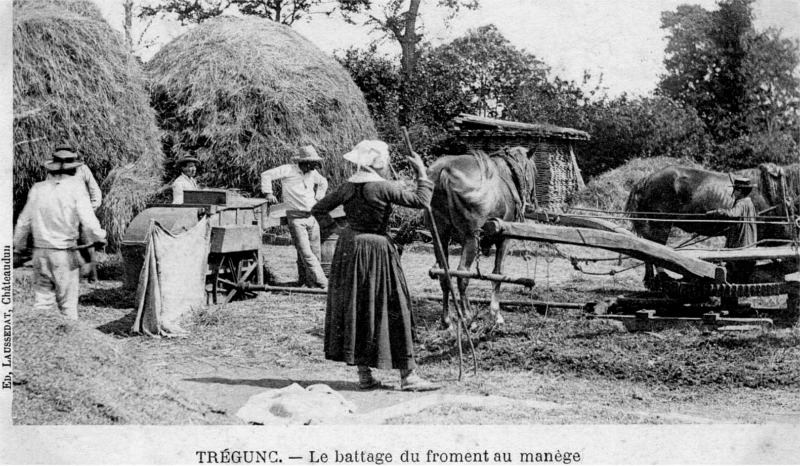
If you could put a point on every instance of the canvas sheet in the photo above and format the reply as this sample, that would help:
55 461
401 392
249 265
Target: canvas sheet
172 280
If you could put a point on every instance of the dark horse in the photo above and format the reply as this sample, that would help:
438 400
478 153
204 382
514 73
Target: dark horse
683 193
468 190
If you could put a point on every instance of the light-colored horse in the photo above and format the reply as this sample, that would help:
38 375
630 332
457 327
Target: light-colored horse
470 189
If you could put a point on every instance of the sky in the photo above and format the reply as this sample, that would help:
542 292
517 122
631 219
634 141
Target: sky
618 39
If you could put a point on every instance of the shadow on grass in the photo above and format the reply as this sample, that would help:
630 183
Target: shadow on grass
278 383
120 327
115 298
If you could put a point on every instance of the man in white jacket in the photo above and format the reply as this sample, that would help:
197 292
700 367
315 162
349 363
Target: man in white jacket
51 221
302 187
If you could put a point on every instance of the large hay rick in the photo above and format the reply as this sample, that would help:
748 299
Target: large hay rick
75 80
242 94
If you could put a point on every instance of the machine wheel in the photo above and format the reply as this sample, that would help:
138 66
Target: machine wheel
676 289
227 270
792 315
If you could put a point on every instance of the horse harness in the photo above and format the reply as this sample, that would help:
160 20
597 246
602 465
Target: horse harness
521 188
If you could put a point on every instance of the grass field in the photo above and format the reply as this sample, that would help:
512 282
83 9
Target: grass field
558 367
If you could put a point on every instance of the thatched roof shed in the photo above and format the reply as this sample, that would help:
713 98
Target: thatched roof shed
558 176
242 94
74 80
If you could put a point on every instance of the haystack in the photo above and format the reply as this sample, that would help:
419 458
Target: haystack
74 80
242 94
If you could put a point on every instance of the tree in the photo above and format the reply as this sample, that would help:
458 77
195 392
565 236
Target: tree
379 79
739 80
399 19
480 73
281 11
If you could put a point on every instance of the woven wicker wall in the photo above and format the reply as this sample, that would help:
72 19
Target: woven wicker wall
556 177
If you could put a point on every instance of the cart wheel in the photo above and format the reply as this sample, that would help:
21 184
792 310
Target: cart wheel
227 271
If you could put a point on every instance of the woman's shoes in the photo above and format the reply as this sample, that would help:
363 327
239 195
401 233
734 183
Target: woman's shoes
415 383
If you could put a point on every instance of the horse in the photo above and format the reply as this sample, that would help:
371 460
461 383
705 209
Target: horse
468 190
684 193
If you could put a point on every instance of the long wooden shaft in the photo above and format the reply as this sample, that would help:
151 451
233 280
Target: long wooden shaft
281 289
435 273
638 248
441 257
513 302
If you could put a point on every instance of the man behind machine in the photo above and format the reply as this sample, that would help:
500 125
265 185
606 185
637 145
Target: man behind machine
186 180
302 186
743 233
54 214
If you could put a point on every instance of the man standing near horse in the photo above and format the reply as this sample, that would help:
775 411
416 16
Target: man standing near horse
302 186
743 233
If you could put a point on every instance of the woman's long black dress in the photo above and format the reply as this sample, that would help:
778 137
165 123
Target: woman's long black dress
368 320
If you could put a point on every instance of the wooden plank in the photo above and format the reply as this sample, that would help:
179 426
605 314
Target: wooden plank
511 302
436 273
573 221
638 248
756 253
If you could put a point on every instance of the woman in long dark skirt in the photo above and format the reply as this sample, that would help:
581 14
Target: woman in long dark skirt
368 321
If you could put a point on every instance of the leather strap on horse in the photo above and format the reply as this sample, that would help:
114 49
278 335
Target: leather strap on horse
521 189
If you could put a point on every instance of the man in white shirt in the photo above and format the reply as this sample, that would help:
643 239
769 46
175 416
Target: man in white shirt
186 180
54 214
65 153
302 187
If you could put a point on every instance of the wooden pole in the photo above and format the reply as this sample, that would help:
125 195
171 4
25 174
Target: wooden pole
529 282
441 257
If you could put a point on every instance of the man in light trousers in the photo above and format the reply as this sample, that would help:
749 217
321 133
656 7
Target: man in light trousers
51 221
302 187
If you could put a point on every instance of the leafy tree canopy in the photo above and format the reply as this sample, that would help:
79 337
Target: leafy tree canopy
740 81
282 11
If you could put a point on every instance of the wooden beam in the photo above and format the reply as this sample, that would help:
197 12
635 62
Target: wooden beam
510 302
576 221
436 273
638 248
756 253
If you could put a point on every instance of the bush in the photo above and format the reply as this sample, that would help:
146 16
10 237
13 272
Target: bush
751 150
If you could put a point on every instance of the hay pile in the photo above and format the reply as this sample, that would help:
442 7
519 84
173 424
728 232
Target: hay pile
74 80
70 373
609 191
243 94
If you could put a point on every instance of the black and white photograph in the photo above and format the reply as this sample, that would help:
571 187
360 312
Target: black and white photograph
400 231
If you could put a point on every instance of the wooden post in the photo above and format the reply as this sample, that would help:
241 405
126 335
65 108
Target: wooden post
529 282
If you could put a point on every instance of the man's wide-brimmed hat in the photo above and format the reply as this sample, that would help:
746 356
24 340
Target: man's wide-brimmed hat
374 154
64 158
186 159
742 183
307 154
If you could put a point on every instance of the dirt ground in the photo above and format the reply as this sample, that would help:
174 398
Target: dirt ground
556 367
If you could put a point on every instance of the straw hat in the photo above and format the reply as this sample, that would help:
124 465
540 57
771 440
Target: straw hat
742 183
374 154
186 159
64 158
307 154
